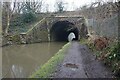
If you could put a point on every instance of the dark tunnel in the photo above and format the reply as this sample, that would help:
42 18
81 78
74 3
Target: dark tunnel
61 29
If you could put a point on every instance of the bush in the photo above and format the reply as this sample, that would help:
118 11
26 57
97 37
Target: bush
28 13
109 55
114 59
28 17
115 52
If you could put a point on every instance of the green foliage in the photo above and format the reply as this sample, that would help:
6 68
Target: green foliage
115 52
113 59
17 22
28 17
49 67
110 55
83 41
28 13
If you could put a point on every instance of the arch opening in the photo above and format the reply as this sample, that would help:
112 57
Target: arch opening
61 29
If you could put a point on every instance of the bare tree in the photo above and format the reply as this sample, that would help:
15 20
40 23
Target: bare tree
47 7
60 6
19 7
0 17
9 12
35 5
14 7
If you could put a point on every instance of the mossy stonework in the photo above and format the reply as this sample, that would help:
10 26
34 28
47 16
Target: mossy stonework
46 70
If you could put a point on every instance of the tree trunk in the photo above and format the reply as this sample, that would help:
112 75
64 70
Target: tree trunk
8 23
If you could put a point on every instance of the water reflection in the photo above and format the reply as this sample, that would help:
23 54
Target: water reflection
20 61
17 71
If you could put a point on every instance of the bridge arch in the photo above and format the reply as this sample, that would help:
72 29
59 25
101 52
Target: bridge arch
61 29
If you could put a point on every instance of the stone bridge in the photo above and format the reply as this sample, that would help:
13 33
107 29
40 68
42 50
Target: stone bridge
55 29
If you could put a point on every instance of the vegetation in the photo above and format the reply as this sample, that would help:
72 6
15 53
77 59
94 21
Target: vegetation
19 15
84 41
112 58
46 70
109 55
29 17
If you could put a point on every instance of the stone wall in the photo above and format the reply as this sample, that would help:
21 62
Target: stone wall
103 19
41 32
38 34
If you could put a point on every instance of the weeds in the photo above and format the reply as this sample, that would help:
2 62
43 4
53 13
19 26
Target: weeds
109 55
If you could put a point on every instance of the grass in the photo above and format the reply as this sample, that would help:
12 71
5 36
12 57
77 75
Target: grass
83 41
49 67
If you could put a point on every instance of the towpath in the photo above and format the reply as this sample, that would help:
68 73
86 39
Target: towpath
79 62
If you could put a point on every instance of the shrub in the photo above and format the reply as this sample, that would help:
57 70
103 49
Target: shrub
29 17
115 52
110 54
101 43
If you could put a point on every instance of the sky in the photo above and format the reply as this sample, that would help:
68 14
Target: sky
50 4
70 4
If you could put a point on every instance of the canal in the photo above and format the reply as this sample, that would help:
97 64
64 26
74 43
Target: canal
20 61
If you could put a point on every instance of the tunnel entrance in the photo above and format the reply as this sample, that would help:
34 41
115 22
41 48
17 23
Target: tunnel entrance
61 29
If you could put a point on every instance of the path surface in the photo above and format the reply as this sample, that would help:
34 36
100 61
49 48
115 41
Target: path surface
80 62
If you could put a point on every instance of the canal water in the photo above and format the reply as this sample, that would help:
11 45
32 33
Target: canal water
20 61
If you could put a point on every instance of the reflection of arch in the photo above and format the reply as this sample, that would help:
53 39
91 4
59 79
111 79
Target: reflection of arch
61 29
71 36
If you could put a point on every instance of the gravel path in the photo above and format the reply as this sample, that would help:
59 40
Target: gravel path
79 62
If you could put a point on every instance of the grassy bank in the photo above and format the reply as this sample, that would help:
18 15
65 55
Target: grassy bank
49 67
109 55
